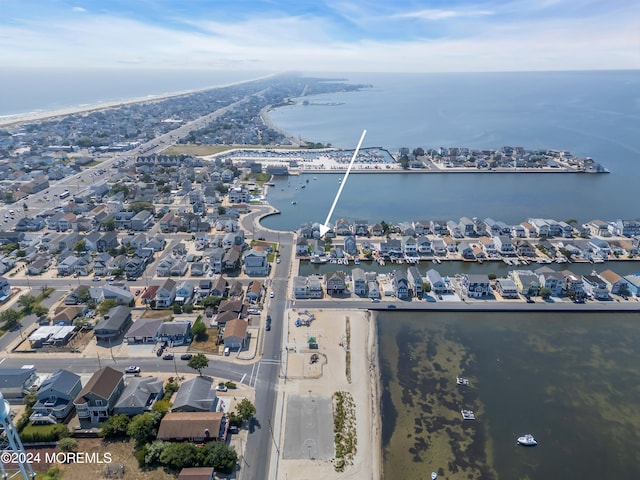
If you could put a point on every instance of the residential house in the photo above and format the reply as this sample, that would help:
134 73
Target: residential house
438 285
113 325
422 227
114 292
195 395
504 245
453 229
107 241
350 245
551 280
507 288
377 230
71 265
101 263
524 248
343 227
143 330
236 291
359 281
466 227
235 334
96 400
302 246
438 227
254 291
335 283
631 285
595 287
197 427
184 293
174 333
409 246
40 265
527 282
401 285
361 228
613 282
231 260
573 285
55 397
256 263
391 247
219 288
597 228
466 251
166 294
17 382
439 247
476 285
139 395
415 281
423 244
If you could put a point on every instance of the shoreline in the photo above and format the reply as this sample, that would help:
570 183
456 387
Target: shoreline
27 117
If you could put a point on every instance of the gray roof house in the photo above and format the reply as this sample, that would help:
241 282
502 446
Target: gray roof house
255 263
143 330
139 396
96 400
55 397
176 333
16 382
195 395
113 325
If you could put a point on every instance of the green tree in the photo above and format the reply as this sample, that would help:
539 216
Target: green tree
115 426
10 318
161 407
153 452
80 246
68 444
545 293
199 330
426 287
179 455
245 409
198 362
28 303
219 456
210 301
30 399
142 428
109 224
84 295
106 305
40 311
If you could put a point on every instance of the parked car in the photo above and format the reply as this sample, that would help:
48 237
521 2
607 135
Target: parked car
233 429
160 351
391 305
96 279
271 294
167 356
186 356
227 351
132 369
221 387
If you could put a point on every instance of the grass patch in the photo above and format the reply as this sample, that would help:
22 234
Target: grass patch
208 343
344 430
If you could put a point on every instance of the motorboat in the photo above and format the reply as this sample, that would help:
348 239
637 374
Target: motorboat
527 440
462 381
434 475
467 414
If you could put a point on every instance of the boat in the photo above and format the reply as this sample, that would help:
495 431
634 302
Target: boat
467 414
527 440
356 261
434 475
462 381
293 203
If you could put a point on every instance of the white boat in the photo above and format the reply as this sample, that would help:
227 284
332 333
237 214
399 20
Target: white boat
467 414
293 203
356 261
527 440
434 475
462 381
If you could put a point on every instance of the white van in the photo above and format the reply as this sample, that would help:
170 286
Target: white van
227 351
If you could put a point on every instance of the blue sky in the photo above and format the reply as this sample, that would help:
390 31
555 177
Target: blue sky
323 36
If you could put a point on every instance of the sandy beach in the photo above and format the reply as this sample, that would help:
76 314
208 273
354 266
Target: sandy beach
336 332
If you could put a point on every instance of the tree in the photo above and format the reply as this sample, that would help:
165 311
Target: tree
68 444
153 452
161 407
426 287
545 293
198 362
109 224
199 330
10 318
40 311
80 246
219 456
245 409
28 303
142 428
115 426
179 455
106 305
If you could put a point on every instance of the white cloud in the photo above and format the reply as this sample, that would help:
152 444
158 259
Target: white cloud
78 9
440 14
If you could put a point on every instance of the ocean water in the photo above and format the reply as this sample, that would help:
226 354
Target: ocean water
593 114
28 90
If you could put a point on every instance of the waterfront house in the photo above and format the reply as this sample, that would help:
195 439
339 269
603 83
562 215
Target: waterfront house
476 285
335 283
451 244
631 285
529 230
573 286
350 245
466 251
595 287
453 228
466 227
377 230
343 227
422 227
423 245
55 397
415 280
613 282
439 227
139 396
524 248
507 288
527 282
359 282
96 400
439 247
401 285
600 247
551 280
391 247
504 245
597 228
626 228
361 227
409 246
302 246
438 285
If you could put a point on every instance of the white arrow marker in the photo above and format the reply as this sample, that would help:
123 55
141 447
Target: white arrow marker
325 228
